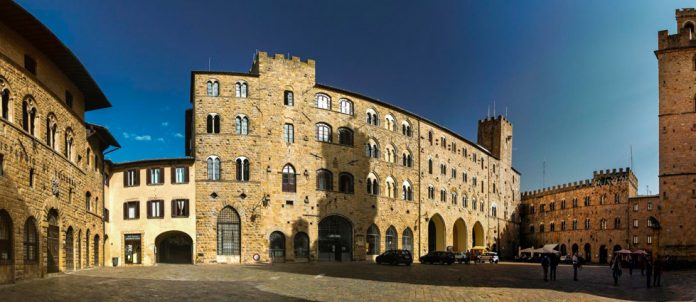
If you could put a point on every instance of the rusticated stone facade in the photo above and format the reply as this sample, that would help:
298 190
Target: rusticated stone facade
399 207
676 57
51 163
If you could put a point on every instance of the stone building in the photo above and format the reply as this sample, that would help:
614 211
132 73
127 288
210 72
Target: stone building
676 59
289 169
152 212
51 160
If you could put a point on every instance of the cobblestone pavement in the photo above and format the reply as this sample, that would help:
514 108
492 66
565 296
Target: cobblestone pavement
358 281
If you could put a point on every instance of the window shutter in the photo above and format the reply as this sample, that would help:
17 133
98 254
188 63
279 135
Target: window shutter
137 209
147 176
125 178
186 208
125 210
186 174
173 207
137 177
149 209
172 174
161 173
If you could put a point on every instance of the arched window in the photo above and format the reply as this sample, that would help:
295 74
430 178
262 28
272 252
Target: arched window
391 240
301 245
345 136
373 240
213 123
689 27
406 159
390 122
323 101
454 197
372 184
443 195
276 244
372 117
465 202
371 149
389 154
324 180
391 187
51 127
407 240
97 261
69 144
242 164
241 123
408 191
431 192
617 223
346 106
28 115
473 203
494 210
6 249
87 236
603 224
430 137
31 252
5 104
289 182
430 165
288 98
240 89
213 168
323 133
213 88
406 129
228 233
345 183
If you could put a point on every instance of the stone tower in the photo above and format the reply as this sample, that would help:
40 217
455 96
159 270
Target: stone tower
676 56
495 134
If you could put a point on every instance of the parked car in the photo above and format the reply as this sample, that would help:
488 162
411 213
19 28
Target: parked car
461 257
395 257
438 257
491 257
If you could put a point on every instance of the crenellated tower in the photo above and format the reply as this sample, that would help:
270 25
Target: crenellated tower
495 134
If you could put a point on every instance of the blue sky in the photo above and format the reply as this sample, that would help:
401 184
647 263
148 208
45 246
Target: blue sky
578 78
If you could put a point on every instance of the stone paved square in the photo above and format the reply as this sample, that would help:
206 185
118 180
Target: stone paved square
357 281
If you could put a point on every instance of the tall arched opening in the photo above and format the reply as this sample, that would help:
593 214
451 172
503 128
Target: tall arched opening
459 236
335 239
174 247
436 233
477 235
52 242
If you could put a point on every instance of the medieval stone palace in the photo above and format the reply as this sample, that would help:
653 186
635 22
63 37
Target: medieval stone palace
279 167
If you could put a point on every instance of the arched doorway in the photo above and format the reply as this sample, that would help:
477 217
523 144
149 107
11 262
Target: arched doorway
97 261
373 244
335 239
588 252
459 236
575 248
603 253
407 240
477 235
301 246
563 249
52 241
436 233
391 239
229 241
174 247
79 249
6 248
69 258
276 246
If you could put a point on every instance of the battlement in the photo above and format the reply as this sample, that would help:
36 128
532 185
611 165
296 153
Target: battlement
493 118
685 36
262 55
599 178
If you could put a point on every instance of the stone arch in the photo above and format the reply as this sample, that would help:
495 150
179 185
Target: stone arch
477 239
436 233
174 247
459 242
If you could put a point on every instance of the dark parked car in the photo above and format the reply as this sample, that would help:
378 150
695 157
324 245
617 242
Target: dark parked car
395 257
438 257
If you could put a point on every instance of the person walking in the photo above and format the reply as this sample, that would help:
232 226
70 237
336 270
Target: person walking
657 272
545 265
648 269
616 268
630 265
554 266
575 267
641 263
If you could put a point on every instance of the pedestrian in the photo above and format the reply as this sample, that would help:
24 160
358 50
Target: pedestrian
554 266
648 269
576 264
657 272
616 268
641 263
545 265
630 265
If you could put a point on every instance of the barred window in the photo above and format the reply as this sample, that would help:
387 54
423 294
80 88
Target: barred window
407 240
228 233
30 241
391 239
345 136
373 240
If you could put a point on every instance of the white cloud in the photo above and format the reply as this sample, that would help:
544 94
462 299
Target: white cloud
178 135
165 124
126 135
160 139
143 138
